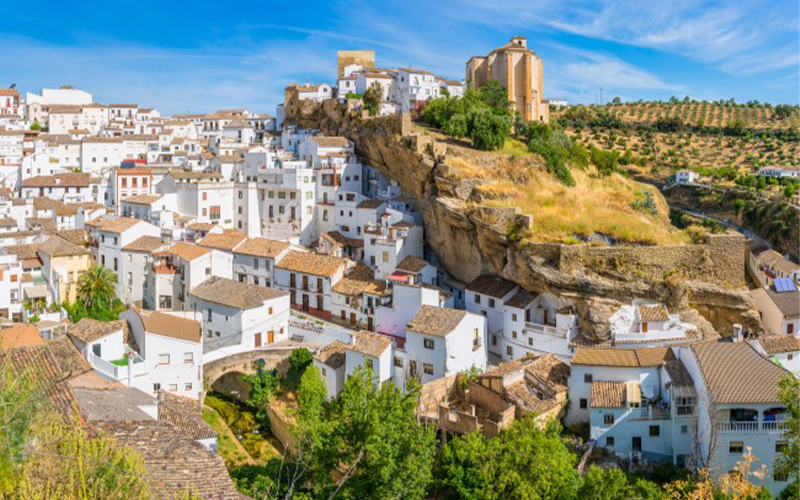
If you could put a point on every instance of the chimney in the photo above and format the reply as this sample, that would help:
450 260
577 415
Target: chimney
160 397
737 332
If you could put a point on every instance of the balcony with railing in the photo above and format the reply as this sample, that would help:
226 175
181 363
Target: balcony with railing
751 426
550 330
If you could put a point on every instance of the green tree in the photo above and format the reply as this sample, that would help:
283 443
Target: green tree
262 386
495 96
523 461
384 449
96 287
36 126
613 484
488 130
788 462
373 97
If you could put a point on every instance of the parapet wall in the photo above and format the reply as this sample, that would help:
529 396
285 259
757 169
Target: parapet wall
721 261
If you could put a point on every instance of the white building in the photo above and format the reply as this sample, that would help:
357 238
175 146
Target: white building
686 177
520 323
309 279
171 348
779 310
240 314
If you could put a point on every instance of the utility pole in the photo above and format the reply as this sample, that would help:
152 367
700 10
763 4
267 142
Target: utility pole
601 96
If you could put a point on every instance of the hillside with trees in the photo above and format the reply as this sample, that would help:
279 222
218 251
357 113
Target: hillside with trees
726 143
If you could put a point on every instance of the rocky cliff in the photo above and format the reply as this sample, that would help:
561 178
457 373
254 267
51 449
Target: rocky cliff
470 238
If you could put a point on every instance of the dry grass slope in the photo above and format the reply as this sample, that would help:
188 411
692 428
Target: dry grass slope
516 178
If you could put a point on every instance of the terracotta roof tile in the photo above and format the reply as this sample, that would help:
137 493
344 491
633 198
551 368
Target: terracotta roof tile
370 344
115 225
656 312
609 394
678 373
142 199
412 264
57 246
312 263
439 321
70 179
20 335
227 240
145 244
332 354
88 330
174 462
735 373
262 247
234 293
188 252
491 285
609 356
330 142
169 325
779 343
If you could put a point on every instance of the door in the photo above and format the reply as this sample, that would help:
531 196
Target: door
305 282
352 319
644 327
370 326
790 328
637 443
258 339
305 302
545 317
270 336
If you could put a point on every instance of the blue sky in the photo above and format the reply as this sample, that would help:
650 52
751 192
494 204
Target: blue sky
200 56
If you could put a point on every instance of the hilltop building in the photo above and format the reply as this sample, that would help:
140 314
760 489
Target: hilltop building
520 71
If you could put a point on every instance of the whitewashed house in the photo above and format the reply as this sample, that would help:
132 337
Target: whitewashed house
240 314
254 260
309 278
171 349
441 342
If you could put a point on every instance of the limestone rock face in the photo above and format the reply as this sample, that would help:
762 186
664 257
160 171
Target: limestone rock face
704 281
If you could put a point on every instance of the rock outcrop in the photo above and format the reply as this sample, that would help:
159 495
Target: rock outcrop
704 281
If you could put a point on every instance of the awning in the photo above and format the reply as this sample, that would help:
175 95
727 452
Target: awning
634 391
398 276
35 292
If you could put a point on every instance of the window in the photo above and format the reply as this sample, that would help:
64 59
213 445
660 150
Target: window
386 256
187 386
428 343
173 387
583 403
684 429
610 441
210 315
398 361
427 368
736 447
513 316
188 358
163 359
587 378
491 302
477 299
509 350
269 311
608 419
655 431
205 196
684 405
156 387
494 339
780 446
513 334
96 349
209 333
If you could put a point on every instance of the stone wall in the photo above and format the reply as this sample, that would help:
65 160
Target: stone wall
281 427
